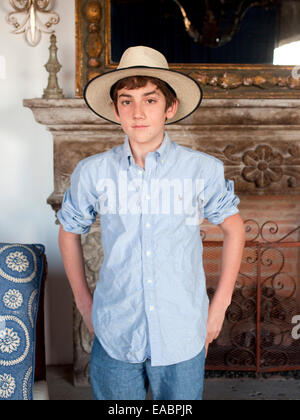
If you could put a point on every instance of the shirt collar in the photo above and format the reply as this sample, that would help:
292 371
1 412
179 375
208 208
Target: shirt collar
162 151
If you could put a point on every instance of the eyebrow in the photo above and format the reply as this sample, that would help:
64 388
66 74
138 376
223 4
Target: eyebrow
126 95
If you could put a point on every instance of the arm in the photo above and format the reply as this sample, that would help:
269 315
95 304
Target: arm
234 242
72 255
76 216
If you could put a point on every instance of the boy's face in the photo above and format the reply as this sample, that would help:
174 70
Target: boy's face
142 114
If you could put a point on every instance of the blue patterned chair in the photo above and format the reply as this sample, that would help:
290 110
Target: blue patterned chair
23 271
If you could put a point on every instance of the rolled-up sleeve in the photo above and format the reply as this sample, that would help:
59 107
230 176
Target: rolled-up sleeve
77 213
220 201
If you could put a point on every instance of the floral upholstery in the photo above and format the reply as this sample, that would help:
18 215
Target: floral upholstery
21 271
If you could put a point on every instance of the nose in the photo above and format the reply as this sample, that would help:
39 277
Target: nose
138 111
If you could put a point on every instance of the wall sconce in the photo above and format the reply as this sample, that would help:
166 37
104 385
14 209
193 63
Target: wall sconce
38 17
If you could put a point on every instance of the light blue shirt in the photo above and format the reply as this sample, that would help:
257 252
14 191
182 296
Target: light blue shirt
150 300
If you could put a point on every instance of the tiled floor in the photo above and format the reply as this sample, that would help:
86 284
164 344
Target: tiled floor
60 385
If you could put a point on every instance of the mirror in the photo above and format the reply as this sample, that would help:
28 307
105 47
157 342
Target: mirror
188 31
227 45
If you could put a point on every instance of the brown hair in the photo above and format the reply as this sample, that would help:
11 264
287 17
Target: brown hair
136 82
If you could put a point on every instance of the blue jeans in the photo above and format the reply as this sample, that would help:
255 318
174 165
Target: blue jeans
113 379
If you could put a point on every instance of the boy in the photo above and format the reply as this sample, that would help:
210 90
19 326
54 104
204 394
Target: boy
149 313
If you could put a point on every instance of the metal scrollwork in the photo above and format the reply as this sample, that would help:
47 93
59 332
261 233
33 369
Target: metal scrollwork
29 17
257 332
269 227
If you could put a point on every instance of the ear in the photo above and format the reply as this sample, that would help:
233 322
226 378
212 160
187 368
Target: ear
171 111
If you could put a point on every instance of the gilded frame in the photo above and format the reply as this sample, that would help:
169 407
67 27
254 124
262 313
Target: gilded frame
217 80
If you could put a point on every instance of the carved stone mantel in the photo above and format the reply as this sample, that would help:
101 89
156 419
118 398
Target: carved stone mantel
257 139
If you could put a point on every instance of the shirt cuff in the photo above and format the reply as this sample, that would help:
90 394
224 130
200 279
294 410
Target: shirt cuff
70 224
228 206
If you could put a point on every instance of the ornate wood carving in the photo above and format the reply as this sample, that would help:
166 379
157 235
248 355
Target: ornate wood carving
93 37
89 41
93 256
255 81
258 168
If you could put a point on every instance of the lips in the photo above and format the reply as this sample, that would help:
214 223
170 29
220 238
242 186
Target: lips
140 126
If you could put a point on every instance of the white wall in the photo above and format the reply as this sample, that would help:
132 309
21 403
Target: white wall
26 162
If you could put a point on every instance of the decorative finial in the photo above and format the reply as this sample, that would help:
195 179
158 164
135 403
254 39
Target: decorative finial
53 90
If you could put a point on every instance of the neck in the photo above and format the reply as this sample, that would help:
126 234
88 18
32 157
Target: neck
140 150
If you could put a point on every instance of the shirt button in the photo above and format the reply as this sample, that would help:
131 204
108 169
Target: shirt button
149 281
148 225
140 172
148 197
162 161
148 253
151 307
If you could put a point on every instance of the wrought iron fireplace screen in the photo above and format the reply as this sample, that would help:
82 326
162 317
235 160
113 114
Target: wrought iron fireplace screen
258 330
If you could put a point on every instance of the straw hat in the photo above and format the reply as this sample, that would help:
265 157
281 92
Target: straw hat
142 61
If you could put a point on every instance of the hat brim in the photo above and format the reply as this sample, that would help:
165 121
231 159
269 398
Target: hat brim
97 92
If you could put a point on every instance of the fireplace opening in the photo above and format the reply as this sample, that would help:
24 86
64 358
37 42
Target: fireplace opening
260 332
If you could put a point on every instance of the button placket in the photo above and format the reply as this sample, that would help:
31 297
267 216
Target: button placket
147 241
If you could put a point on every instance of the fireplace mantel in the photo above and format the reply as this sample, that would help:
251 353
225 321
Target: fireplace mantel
257 139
